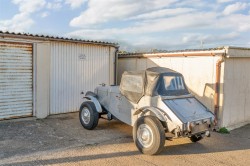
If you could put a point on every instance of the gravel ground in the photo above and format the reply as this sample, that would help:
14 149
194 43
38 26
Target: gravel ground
61 140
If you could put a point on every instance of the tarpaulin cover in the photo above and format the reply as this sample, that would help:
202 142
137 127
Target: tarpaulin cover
150 82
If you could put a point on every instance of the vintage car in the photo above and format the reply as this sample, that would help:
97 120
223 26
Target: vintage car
156 102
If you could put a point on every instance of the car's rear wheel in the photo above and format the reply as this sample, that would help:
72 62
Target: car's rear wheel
88 115
196 138
149 135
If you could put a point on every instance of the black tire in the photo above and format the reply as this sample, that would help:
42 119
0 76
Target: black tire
90 121
152 125
196 138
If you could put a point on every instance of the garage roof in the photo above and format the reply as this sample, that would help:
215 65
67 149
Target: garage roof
227 51
52 38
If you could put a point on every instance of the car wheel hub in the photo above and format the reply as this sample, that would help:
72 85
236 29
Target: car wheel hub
85 115
145 135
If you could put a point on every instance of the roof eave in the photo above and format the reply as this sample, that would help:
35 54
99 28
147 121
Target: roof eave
59 39
221 52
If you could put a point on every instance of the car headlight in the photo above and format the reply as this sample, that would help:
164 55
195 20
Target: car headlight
190 125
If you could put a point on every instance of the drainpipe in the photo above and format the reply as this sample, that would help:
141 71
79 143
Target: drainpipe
217 89
116 60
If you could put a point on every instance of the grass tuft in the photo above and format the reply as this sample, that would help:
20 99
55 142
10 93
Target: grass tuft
224 130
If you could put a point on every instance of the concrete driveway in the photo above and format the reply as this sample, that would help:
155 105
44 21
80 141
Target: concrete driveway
61 140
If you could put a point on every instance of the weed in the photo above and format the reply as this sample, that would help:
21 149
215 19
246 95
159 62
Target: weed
224 130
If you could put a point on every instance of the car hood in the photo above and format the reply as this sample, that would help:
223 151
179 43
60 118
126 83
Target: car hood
188 109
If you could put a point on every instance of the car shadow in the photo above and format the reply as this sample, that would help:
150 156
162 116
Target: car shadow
23 138
75 159
238 139
178 149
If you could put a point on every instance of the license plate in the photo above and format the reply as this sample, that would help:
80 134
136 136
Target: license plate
200 128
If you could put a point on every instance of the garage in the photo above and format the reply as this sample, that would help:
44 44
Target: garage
45 75
218 77
16 83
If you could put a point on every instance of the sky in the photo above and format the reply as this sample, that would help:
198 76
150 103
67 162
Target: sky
137 25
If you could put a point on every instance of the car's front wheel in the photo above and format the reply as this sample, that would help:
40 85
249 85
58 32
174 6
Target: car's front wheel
88 115
149 135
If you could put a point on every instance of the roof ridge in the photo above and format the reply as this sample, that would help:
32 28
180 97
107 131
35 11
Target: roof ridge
51 37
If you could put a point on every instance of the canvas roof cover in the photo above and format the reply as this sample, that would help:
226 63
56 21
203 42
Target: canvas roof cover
150 82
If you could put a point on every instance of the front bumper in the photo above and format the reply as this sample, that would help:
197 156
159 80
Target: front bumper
198 127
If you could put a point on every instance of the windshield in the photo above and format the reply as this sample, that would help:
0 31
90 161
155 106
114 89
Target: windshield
173 83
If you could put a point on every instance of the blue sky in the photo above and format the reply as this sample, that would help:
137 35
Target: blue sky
137 25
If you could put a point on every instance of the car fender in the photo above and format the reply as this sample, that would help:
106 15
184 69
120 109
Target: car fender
95 102
158 113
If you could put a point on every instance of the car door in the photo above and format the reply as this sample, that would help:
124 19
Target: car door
114 100
125 108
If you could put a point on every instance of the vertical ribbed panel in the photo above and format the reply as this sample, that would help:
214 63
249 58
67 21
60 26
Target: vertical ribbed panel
15 80
76 68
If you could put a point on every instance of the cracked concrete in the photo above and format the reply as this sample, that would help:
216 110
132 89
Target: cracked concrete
61 140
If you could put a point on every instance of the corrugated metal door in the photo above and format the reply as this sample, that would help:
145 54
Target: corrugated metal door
15 80
76 68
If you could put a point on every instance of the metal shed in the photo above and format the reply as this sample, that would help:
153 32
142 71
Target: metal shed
42 75
219 77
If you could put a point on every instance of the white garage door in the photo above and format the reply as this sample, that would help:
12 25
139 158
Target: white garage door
15 80
76 68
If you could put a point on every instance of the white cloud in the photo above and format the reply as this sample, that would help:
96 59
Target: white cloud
75 3
22 20
236 22
213 29
110 10
44 14
155 25
195 20
54 5
194 3
209 38
28 6
162 13
235 7
148 23
224 1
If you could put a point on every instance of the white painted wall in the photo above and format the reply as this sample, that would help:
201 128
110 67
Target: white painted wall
236 110
199 73
42 79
